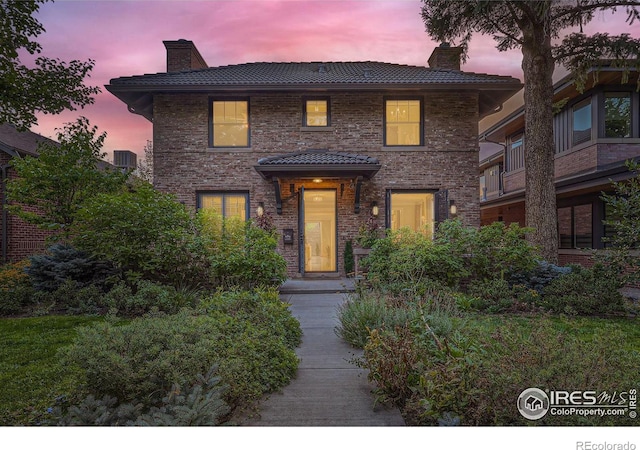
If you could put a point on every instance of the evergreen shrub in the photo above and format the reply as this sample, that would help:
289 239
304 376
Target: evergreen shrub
63 262
592 291
250 337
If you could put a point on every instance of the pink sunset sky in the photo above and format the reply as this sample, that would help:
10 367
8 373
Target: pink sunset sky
125 38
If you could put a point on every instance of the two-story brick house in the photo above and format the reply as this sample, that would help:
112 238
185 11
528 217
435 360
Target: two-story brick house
321 146
595 132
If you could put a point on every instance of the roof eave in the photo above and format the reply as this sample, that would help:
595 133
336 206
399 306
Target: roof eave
317 170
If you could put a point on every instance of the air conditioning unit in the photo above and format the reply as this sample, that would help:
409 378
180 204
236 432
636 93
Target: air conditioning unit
125 159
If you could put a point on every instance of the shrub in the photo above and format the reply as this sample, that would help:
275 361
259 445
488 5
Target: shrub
472 374
15 288
360 315
240 254
406 258
454 256
197 404
498 251
593 291
70 297
63 262
623 217
249 336
491 295
425 368
348 258
539 277
144 232
146 296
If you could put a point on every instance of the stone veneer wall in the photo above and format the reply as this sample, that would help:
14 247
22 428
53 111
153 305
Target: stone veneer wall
184 164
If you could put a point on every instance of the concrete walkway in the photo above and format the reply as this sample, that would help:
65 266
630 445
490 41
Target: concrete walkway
328 390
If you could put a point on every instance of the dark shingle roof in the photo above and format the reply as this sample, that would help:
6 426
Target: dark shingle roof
25 142
318 163
315 157
311 73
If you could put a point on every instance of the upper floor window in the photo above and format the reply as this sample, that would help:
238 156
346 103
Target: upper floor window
617 115
582 122
230 120
226 204
316 113
515 153
403 122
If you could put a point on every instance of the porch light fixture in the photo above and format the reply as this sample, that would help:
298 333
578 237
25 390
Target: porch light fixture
374 209
317 180
453 209
260 210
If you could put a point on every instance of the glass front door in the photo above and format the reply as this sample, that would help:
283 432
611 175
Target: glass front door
318 214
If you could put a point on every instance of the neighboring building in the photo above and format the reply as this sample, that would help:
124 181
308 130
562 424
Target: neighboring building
321 146
595 132
125 160
18 239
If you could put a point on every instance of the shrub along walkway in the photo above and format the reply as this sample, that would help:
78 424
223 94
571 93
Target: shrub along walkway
328 390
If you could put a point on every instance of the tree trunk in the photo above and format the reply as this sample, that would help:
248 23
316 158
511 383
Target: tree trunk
540 195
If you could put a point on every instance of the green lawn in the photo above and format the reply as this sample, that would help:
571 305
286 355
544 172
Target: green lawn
583 327
30 378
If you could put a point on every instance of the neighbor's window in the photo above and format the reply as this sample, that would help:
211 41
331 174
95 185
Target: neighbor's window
403 120
230 123
575 226
316 113
415 210
227 204
617 115
515 153
582 122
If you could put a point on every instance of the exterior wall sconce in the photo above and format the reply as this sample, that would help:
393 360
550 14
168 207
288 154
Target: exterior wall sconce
374 209
453 209
260 210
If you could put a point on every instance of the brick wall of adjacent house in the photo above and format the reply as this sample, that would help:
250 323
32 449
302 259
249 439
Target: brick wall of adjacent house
513 181
184 164
23 239
581 257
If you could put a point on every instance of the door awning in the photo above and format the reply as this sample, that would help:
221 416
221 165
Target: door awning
318 164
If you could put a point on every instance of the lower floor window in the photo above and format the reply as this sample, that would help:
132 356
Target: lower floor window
575 228
414 210
227 204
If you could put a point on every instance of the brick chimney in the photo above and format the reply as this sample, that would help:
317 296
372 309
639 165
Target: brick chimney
183 55
445 57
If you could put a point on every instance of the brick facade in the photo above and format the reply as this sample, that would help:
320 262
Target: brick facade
185 165
22 239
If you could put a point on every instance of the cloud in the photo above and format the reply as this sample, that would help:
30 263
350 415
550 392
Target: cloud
125 38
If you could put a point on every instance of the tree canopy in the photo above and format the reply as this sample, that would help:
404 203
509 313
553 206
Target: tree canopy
51 86
540 28
50 189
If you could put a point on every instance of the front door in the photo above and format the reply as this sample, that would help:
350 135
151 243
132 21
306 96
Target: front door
318 240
